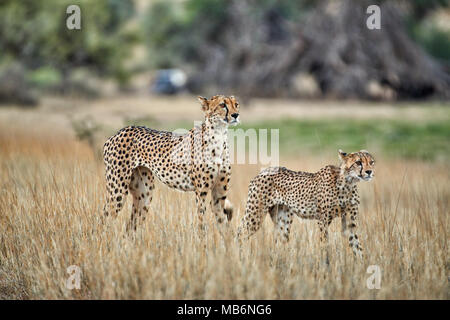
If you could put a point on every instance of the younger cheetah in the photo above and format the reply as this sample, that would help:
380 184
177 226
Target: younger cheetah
196 161
331 192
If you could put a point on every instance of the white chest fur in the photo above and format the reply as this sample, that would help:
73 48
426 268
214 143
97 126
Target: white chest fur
216 141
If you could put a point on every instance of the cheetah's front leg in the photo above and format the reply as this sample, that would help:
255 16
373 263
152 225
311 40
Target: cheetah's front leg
255 211
349 229
323 223
219 203
200 200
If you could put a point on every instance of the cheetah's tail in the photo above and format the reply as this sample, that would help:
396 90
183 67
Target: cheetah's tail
228 209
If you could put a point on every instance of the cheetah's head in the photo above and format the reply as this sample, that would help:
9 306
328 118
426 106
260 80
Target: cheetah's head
221 109
357 165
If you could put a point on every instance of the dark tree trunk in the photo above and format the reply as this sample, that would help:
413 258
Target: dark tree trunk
263 54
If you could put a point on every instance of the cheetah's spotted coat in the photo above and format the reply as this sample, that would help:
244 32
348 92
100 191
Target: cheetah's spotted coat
331 192
197 161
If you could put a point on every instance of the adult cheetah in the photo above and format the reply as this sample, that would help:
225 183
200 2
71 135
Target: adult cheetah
196 161
331 192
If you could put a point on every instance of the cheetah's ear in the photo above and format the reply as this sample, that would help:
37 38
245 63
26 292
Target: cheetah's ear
342 154
203 102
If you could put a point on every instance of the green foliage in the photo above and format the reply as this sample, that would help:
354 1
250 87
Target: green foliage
85 129
161 22
45 77
434 40
35 33
177 33
423 140
425 31
422 7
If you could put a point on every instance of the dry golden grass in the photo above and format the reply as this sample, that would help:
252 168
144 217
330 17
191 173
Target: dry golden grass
51 198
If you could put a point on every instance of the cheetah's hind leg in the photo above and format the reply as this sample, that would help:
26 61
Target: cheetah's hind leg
141 187
117 190
282 218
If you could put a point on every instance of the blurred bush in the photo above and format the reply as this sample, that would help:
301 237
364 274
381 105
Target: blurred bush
266 48
269 47
86 129
435 41
14 87
34 34
45 77
428 24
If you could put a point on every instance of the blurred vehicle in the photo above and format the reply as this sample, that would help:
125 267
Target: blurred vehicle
169 81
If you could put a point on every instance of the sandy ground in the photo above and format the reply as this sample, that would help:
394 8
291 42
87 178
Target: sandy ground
57 113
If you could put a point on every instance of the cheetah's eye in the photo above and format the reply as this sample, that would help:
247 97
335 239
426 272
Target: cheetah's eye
372 163
223 104
358 163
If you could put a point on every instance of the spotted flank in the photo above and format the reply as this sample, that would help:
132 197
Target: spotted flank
197 161
327 194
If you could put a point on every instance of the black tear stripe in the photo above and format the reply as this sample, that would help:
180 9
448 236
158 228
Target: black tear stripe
226 114
362 157
365 158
